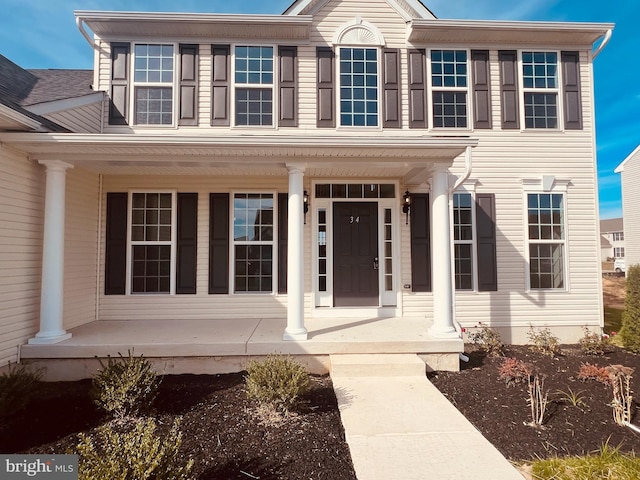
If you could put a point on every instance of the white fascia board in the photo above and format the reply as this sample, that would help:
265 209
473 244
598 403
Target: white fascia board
19 118
65 104
620 168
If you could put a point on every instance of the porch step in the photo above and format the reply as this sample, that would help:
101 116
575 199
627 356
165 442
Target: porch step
377 365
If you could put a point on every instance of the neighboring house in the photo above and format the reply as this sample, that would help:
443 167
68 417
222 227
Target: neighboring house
330 161
611 239
629 171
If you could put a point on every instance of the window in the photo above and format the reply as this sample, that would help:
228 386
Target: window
151 242
618 236
540 82
153 84
253 242
618 252
463 240
359 87
449 88
254 83
546 240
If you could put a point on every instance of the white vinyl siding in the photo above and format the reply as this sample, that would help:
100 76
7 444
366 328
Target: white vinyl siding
86 119
21 217
630 200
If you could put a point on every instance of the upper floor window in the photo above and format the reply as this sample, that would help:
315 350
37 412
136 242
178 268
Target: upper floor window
540 83
254 84
153 84
449 85
359 87
618 236
618 252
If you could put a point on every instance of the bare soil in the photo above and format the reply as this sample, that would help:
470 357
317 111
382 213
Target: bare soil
614 291
221 429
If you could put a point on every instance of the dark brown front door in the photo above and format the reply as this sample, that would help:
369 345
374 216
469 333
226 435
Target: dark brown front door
355 254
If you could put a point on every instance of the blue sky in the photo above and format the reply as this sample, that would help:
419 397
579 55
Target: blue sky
42 34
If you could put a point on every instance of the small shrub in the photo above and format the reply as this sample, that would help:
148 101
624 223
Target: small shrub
622 403
593 343
126 453
277 381
538 400
630 332
125 386
487 339
543 341
17 386
514 371
589 371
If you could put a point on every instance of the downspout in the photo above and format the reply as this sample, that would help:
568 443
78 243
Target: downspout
605 40
80 25
468 166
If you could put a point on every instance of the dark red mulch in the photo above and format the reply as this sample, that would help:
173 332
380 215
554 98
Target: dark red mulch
501 412
219 429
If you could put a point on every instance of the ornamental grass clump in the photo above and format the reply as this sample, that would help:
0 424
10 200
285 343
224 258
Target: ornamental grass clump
132 451
622 404
538 400
630 332
278 381
125 386
17 387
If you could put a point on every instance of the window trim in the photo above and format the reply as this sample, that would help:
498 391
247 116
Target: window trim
431 90
174 86
275 97
379 87
546 185
131 243
273 243
558 91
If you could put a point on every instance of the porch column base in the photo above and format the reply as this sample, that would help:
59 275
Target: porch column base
295 336
437 332
48 338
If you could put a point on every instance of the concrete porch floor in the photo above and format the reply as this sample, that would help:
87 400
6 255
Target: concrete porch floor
222 346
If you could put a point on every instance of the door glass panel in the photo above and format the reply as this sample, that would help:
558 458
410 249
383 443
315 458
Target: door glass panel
388 250
322 250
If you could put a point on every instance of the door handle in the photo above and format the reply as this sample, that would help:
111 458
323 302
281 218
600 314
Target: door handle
376 264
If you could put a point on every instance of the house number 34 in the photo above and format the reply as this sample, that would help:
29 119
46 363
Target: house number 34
353 219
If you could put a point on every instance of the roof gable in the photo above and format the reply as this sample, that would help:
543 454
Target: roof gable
633 155
408 9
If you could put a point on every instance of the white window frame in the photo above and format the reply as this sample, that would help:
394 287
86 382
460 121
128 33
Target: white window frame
546 185
470 190
431 89
273 243
538 90
379 91
135 84
618 252
131 243
618 236
257 86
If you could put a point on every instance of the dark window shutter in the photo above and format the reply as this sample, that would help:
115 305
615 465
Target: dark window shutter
417 90
187 230
420 243
508 60
326 117
288 86
283 236
119 101
391 87
486 232
188 85
481 89
572 94
115 260
221 85
219 243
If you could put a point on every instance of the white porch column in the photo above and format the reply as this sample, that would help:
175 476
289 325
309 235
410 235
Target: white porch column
295 257
443 326
52 287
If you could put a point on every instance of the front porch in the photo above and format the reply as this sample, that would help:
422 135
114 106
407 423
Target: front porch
223 346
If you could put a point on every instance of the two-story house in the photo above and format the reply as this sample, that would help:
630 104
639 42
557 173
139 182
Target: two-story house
629 171
612 239
340 160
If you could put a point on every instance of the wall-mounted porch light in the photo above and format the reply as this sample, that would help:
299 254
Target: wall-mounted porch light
406 205
305 202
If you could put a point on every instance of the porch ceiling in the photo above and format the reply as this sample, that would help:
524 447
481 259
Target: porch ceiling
383 156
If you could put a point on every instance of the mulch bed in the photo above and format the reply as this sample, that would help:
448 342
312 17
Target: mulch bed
502 413
220 428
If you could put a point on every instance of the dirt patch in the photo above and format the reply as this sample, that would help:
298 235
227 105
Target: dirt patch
614 291
221 429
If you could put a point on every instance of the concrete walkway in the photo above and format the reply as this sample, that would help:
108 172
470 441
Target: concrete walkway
400 427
